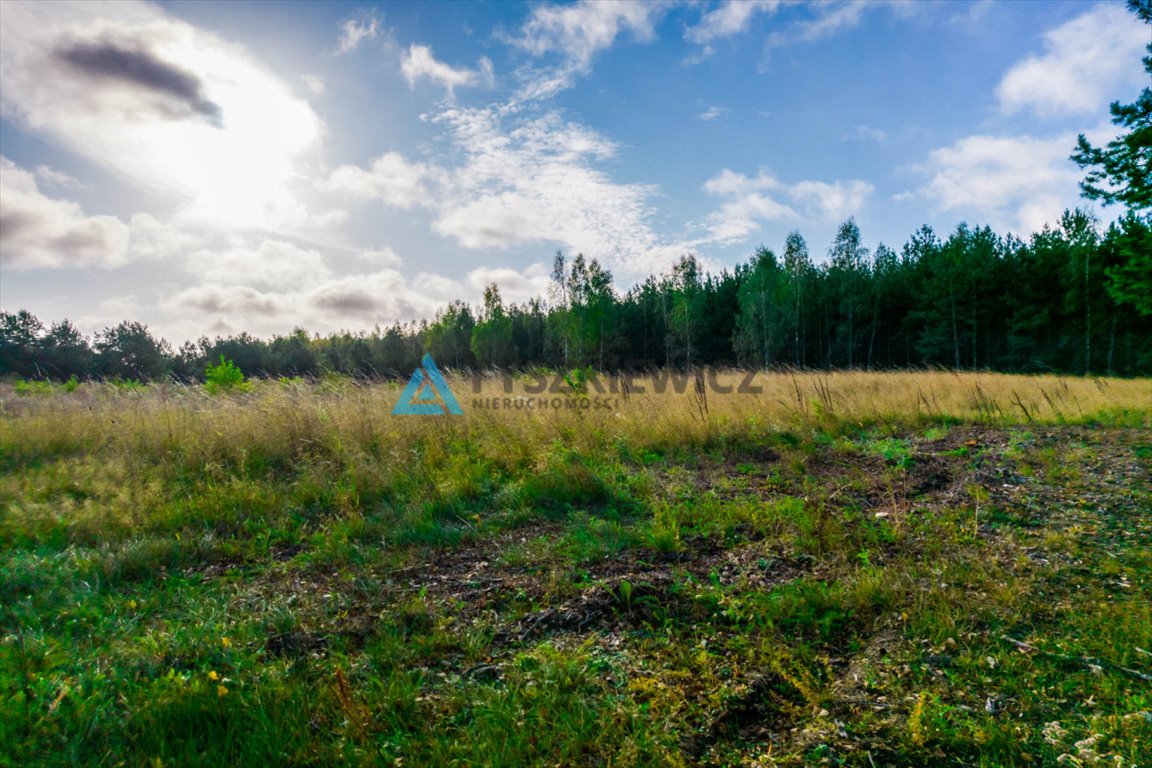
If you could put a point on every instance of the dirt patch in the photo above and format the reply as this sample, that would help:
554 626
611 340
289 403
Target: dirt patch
764 712
930 473
296 644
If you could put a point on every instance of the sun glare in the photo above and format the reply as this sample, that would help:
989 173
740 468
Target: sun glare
233 171
170 106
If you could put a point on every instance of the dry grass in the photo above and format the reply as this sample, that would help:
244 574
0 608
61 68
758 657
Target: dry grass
284 421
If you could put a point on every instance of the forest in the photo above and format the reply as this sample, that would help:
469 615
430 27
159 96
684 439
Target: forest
1070 299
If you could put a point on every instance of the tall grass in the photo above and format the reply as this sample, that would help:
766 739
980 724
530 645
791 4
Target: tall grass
276 425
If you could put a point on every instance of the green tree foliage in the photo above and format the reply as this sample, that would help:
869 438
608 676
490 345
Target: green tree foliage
19 340
129 351
584 305
1129 243
883 289
956 306
529 331
643 324
847 258
598 305
684 311
1121 171
798 266
492 337
295 355
65 352
760 326
449 337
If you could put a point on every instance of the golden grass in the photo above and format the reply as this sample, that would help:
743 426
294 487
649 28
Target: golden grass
285 422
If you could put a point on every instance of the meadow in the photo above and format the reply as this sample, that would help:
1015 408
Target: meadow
848 568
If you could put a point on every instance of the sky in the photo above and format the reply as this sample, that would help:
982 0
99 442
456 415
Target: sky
209 168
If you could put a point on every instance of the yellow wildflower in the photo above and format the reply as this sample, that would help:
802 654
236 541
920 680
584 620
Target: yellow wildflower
213 676
221 690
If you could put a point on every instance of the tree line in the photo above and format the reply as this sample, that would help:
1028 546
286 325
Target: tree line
1070 299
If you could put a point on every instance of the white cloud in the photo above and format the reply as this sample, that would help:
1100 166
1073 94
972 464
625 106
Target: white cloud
519 179
538 182
496 220
738 218
712 113
355 31
837 200
442 288
314 84
56 178
169 106
577 32
271 264
729 182
729 18
391 178
1020 182
37 231
973 14
284 214
381 257
748 206
581 30
150 238
1086 62
419 63
830 19
865 133
383 296
515 286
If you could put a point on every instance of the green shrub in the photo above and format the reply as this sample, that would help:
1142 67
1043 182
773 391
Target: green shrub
578 378
25 387
224 377
126 385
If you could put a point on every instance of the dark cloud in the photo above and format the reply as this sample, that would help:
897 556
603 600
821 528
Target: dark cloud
136 66
346 300
14 223
237 298
41 232
85 237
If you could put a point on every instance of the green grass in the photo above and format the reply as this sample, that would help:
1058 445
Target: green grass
285 577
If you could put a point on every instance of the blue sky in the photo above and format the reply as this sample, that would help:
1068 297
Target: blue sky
213 167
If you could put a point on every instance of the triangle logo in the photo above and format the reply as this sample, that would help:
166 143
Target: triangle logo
427 393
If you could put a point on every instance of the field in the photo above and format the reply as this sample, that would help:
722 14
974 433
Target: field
864 569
